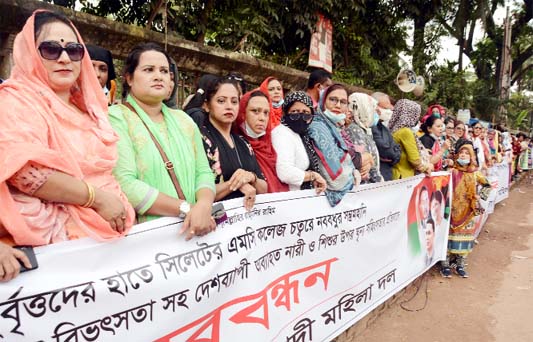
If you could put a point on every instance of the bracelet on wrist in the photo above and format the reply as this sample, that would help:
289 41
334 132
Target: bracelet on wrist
91 196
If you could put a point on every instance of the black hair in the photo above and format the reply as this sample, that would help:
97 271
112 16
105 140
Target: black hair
422 189
317 76
47 17
431 222
213 87
238 77
257 93
132 62
448 120
330 89
437 195
430 121
199 96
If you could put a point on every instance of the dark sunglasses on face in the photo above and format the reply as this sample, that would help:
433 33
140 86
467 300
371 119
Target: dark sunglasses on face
297 116
52 50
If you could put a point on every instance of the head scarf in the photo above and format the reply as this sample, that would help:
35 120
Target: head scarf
330 148
100 54
461 145
297 96
429 112
363 107
43 119
275 113
264 151
406 113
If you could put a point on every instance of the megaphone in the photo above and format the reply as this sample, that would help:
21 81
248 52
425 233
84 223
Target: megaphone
406 80
419 87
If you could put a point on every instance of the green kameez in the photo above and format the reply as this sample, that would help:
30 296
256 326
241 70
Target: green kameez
140 168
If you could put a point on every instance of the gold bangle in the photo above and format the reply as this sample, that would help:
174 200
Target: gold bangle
90 200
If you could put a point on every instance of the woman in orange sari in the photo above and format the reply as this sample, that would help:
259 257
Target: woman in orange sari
57 145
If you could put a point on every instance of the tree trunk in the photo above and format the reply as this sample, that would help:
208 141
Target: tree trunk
204 19
420 59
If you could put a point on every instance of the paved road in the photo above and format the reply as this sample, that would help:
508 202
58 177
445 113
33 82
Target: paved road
494 304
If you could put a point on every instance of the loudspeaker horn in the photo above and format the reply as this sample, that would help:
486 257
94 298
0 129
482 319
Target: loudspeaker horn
419 87
406 80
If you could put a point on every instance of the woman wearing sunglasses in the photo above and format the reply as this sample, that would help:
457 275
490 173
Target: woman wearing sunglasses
297 163
58 146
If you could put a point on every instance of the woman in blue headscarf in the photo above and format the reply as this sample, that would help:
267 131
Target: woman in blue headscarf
336 164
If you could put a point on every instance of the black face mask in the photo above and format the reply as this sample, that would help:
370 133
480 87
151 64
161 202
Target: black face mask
297 122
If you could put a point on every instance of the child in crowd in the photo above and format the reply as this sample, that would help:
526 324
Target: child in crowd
466 177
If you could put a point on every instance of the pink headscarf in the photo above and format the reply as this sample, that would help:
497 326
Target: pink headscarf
37 126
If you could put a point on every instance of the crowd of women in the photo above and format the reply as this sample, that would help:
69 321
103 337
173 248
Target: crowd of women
74 167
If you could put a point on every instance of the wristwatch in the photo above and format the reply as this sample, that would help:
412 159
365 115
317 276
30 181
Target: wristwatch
185 207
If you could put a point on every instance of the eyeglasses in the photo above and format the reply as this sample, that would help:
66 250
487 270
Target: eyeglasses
52 50
335 100
293 116
450 128
459 129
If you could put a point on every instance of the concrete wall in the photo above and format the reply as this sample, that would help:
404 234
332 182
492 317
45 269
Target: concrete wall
120 38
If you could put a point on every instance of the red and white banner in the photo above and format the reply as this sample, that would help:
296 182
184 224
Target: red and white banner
321 49
292 269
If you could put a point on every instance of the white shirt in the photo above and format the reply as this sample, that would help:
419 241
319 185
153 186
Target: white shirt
292 158
480 153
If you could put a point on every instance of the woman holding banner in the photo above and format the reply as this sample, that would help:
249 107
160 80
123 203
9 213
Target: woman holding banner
335 165
162 167
254 124
56 183
404 127
232 159
297 162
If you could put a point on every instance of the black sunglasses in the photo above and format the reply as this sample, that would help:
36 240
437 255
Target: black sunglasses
298 116
52 50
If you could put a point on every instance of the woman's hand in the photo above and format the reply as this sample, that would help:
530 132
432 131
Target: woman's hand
319 183
366 164
9 262
446 145
449 162
111 209
239 178
429 170
198 221
249 196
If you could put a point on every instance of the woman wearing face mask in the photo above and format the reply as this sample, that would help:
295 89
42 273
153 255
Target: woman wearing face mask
364 110
389 150
254 125
404 126
297 164
237 173
271 86
336 166
464 208
431 140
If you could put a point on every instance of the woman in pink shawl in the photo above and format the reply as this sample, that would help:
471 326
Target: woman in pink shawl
57 145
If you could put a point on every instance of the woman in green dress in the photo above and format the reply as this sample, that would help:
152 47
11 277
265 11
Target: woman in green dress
140 169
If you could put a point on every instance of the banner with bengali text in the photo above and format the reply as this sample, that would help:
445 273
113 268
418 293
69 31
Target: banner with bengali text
292 269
